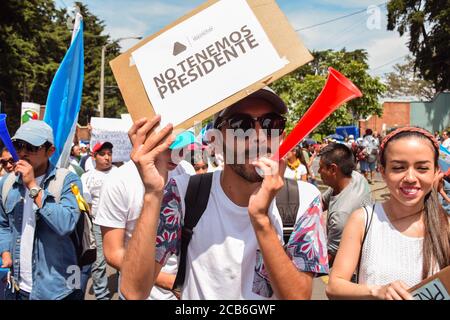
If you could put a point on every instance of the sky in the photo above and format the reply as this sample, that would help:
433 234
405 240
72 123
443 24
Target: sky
365 30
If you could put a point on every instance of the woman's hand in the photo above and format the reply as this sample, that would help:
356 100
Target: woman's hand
396 290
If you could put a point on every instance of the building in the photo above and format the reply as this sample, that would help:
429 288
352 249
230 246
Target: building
431 115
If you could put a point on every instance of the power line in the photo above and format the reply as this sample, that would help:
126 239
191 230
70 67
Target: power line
389 62
336 19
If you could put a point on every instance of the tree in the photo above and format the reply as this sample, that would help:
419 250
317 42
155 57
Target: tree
31 43
428 24
34 37
94 39
405 81
300 88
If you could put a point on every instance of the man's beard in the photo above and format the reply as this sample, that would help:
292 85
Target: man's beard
246 172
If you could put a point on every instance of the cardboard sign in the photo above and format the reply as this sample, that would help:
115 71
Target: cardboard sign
436 287
209 49
114 131
207 60
30 111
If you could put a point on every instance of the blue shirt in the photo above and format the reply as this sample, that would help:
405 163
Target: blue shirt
54 258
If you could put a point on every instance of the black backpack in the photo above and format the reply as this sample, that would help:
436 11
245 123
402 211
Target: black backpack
196 200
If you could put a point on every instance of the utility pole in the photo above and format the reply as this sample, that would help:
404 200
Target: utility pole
101 105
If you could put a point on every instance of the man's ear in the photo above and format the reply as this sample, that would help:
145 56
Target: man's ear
51 151
333 168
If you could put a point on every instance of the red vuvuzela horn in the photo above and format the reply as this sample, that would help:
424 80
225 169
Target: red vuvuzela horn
337 91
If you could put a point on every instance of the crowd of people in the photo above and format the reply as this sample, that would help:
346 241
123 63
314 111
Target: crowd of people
204 227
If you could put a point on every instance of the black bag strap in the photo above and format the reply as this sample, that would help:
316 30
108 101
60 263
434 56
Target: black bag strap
366 230
195 200
288 202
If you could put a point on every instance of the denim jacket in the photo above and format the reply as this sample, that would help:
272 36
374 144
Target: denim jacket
54 256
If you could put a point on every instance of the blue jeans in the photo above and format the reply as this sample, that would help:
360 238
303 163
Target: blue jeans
367 166
99 276
22 295
85 275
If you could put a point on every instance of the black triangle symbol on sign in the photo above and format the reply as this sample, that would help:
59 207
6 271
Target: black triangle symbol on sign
178 48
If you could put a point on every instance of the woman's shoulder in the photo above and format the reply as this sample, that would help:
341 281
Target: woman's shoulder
359 216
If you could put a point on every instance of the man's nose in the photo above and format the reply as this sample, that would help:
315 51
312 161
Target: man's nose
260 133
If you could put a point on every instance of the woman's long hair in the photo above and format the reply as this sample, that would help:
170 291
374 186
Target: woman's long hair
436 242
301 157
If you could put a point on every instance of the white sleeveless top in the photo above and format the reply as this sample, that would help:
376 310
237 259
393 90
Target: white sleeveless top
388 255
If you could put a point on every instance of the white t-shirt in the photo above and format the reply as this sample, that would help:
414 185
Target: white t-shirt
92 184
89 164
27 240
223 260
295 174
120 206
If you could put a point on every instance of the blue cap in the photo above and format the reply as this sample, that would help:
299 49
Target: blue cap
35 132
182 140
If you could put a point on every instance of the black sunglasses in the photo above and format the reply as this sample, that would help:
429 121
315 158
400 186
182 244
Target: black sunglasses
269 121
4 162
22 145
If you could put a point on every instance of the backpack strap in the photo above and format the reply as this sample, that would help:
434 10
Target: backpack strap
288 202
366 230
7 186
196 200
56 184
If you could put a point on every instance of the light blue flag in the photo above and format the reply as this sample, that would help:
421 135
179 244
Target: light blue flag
64 96
444 159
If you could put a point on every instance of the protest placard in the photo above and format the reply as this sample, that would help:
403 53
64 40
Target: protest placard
114 131
207 60
436 287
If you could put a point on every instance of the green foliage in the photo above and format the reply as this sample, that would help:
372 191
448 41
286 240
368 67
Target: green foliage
31 43
34 37
300 88
404 81
428 24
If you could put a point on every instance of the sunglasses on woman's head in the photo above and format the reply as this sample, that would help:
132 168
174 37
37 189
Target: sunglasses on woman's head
269 121
22 145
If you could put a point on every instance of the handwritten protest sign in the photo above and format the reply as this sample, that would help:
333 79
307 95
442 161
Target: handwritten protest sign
214 56
114 131
436 287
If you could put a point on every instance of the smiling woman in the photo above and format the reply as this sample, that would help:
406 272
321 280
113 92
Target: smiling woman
394 245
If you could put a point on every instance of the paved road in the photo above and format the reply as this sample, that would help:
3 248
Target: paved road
379 192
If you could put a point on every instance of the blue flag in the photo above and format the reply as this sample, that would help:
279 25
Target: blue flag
444 159
64 96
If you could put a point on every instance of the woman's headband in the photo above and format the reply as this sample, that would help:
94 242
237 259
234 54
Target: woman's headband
409 129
